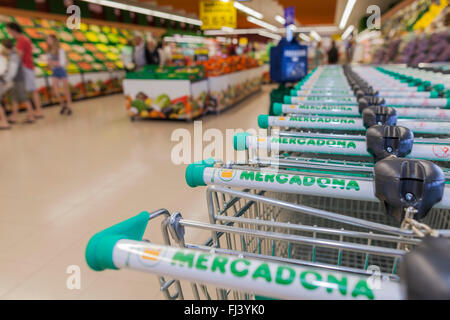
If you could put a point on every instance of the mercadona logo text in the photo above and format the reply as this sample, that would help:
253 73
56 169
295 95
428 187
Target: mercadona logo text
315 142
306 181
282 275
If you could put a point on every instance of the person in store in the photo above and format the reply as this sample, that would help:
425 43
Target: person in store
25 51
57 61
126 55
349 50
165 54
152 54
333 54
14 80
318 55
139 52
4 125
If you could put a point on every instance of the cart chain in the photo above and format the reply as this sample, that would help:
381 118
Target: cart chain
419 229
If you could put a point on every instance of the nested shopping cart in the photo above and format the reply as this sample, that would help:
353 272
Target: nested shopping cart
253 253
302 228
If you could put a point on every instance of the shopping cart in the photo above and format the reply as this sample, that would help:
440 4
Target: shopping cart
378 142
253 254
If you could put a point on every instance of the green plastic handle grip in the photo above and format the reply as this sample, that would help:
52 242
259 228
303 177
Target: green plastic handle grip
99 250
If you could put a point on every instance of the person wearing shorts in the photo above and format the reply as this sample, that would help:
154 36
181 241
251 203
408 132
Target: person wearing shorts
25 51
15 79
57 62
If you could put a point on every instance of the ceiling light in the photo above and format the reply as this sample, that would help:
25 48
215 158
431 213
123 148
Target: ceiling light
227 29
262 24
280 19
304 37
315 35
235 31
159 14
346 14
347 32
269 35
247 10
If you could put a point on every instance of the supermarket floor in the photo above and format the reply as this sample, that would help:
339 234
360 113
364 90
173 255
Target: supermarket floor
63 179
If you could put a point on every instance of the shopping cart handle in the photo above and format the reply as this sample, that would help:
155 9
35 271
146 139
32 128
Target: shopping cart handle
100 247
194 172
277 109
263 121
240 141
426 272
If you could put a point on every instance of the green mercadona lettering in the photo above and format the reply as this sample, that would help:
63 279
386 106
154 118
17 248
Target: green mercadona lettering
307 181
328 99
348 144
325 108
281 275
322 120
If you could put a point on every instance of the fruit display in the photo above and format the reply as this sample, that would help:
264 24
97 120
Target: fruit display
162 107
193 73
218 66
90 44
89 50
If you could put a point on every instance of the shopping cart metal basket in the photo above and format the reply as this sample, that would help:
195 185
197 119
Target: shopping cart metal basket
248 257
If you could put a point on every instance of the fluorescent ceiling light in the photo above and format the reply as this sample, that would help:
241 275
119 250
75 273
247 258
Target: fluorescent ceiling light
227 29
247 10
304 37
259 31
235 31
292 27
367 35
185 39
159 14
347 32
321 29
280 19
315 35
269 35
262 24
346 14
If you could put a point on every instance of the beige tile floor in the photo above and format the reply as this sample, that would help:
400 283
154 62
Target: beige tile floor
63 179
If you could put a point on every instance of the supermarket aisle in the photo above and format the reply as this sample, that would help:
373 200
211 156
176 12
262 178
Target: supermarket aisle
63 179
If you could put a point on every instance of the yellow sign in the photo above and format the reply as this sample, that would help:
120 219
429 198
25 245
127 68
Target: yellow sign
336 37
243 42
216 14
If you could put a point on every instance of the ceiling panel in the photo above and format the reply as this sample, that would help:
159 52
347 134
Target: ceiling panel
307 12
312 12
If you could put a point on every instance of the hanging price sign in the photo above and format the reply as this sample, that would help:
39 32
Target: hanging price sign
217 14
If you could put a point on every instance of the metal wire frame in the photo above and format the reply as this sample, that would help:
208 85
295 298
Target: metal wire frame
248 223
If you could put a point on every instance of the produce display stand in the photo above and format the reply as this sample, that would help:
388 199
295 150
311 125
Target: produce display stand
228 89
186 97
174 99
93 52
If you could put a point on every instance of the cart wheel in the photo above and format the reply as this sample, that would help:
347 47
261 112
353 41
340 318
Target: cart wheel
132 119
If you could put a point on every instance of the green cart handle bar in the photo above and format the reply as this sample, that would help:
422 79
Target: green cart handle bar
120 247
324 183
346 123
279 109
99 251
333 146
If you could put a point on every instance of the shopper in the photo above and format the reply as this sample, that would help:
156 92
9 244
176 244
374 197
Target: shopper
152 54
318 55
15 80
25 51
333 55
126 55
164 52
4 125
349 50
139 52
57 62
